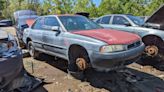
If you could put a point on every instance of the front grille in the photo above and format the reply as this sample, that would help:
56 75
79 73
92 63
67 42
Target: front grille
134 45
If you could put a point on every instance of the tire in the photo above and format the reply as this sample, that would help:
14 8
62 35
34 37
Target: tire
73 67
33 53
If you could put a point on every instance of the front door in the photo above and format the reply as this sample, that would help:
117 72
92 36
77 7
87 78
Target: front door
37 32
53 39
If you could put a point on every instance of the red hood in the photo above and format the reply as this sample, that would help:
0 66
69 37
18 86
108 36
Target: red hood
110 36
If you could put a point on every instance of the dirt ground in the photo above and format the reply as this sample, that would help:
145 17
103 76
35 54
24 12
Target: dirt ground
137 77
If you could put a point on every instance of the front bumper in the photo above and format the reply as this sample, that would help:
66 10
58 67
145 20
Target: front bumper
111 60
10 68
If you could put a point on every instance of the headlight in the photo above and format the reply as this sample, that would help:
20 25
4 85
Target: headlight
112 48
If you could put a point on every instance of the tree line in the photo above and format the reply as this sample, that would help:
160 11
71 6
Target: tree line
44 7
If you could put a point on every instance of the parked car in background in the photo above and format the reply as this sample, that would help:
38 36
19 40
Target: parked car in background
117 20
21 17
152 33
24 13
82 42
5 23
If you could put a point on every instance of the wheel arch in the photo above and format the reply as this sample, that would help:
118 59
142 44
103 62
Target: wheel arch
149 37
73 46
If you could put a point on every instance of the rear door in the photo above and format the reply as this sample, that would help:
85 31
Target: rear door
53 40
105 20
119 23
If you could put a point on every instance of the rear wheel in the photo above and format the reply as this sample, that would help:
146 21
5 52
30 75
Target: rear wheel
32 51
78 62
154 46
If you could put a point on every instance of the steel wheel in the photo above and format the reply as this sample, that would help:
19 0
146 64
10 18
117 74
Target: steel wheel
81 64
151 50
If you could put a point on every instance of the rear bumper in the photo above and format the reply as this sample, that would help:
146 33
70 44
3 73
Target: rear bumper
110 60
10 68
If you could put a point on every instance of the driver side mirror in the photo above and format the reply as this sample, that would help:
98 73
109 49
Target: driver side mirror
51 28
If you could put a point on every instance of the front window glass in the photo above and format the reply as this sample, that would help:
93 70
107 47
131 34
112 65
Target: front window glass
51 21
75 23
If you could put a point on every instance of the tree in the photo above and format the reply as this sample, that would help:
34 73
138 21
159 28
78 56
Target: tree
153 6
2 5
110 7
86 6
93 10
135 7
81 6
58 6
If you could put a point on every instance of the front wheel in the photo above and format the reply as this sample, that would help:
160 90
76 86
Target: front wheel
33 53
78 63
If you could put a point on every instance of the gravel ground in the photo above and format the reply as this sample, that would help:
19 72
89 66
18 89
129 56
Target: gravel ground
134 78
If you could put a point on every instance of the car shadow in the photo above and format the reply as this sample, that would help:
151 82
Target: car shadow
126 80
155 62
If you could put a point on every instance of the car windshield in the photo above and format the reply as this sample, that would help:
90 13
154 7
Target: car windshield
137 20
76 23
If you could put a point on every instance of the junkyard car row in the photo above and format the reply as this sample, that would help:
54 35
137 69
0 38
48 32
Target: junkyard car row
80 41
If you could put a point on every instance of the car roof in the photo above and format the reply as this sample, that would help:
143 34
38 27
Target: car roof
117 14
57 15
68 15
